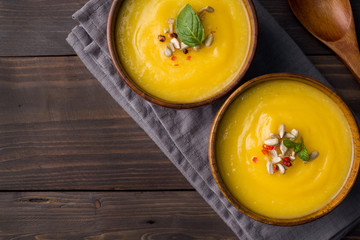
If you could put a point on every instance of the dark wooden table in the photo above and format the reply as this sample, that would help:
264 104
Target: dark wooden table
73 164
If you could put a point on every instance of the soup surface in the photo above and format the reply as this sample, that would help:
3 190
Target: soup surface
192 77
306 186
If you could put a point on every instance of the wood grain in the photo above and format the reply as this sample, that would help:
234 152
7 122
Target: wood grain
281 11
353 234
36 27
109 215
61 130
338 33
340 78
39 28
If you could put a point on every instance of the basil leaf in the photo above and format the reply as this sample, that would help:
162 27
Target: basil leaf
303 154
189 28
288 143
298 147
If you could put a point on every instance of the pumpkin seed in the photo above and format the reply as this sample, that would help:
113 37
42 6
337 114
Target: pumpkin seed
274 135
175 42
292 155
295 132
171 22
281 168
171 45
290 136
183 46
196 48
276 160
209 40
271 141
283 148
313 155
270 167
205 9
273 153
168 52
282 130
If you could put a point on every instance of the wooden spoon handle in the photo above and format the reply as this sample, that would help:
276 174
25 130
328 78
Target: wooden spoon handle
351 57
347 49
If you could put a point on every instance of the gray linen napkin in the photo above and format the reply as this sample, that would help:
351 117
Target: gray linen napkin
183 134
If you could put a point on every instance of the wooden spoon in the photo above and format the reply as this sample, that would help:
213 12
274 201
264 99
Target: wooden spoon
332 22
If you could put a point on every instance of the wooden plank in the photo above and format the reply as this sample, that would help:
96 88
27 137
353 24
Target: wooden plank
354 234
42 26
36 27
61 130
109 215
281 11
340 78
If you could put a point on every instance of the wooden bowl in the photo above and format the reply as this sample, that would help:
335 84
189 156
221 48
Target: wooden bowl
349 182
151 98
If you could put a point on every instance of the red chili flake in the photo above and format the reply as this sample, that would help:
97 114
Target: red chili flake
288 164
173 35
176 65
188 58
267 147
255 159
173 58
161 38
275 167
265 152
286 159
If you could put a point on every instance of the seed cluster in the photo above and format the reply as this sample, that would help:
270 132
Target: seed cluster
281 160
176 44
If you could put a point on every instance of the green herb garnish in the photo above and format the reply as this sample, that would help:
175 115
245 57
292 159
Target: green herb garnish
299 148
189 27
303 154
289 143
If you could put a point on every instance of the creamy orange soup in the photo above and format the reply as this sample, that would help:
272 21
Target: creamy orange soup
305 187
192 77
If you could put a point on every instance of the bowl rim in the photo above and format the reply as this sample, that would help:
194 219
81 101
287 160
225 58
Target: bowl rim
110 35
354 168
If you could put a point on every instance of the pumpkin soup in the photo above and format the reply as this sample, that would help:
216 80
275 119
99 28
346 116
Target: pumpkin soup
144 43
304 183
